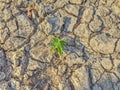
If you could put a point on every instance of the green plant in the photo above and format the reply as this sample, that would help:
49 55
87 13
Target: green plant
57 44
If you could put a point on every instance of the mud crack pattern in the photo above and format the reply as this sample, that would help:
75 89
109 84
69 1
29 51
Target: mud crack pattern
91 57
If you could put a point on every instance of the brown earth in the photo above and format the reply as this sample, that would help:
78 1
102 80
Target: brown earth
90 59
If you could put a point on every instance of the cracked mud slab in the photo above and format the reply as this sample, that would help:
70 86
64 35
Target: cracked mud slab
91 57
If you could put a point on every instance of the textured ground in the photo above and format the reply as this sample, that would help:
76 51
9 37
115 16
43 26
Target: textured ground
91 57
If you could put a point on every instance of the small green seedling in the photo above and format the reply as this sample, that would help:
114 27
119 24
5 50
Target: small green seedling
57 44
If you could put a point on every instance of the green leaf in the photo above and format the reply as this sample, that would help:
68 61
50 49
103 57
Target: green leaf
52 44
52 49
62 42
56 39
57 44
59 49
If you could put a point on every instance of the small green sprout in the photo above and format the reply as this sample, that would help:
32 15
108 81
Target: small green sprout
57 44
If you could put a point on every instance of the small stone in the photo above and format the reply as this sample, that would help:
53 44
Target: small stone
2 76
118 46
96 87
17 62
72 9
54 22
2 62
67 22
2 25
118 68
4 34
7 14
76 1
103 11
12 26
97 24
10 86
80 79
88 13
2 54
106 62
61 3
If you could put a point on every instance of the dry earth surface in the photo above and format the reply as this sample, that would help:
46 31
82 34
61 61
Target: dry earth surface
91 57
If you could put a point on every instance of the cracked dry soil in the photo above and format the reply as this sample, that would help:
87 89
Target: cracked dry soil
91 57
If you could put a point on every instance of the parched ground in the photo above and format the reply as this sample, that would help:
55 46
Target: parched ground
91 57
